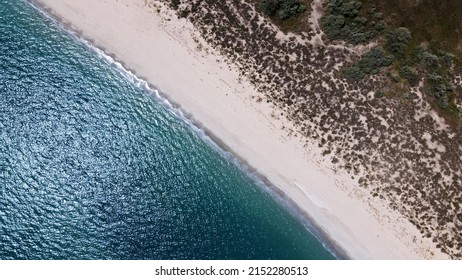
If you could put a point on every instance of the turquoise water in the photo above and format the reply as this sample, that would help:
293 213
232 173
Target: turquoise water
94 167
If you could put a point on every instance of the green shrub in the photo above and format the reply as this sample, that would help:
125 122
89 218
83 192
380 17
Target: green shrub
429 60
434 79
357 37
375 59
333 26
378 16
341 22
398 40
409 74
176 4
443 102
334 7
353 73
447 58
416 55
290 8
379 93
370 64
439 89
359 21
283 9
350 9
269 7
379 27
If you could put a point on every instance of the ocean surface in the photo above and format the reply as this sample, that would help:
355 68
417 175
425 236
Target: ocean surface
93 165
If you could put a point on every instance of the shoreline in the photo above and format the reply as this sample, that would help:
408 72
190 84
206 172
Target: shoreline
261 180
296 191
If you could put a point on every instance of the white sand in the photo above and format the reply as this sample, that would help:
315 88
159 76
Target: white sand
161 48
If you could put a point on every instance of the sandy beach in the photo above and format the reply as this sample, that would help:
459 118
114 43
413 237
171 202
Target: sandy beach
170 54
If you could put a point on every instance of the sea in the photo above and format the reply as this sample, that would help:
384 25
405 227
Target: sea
96 164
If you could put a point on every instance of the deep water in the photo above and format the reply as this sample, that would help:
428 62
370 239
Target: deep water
94 167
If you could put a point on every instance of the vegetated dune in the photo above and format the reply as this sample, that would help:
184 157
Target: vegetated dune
397 146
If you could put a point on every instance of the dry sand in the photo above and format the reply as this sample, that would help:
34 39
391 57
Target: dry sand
169 53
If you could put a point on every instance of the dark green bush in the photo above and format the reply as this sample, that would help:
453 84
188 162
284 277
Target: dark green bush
353 73
378 16
332 26
269 7
443 102
379 93
176 3
429 60
341 22
434 79
409 74
447 58
357 37
375 59
334 6
379 27
359 21
290 8
350 9
283 9
439 89
370 64
416 55
398 40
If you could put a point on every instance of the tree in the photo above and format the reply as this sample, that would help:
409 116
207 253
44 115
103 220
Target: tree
353 73
350 9
332 26
409 74
375 59
429 60
397 40
290 8
341 21
269 7
283 9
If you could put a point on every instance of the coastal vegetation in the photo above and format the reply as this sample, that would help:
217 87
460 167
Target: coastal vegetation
369 64
377 125
282 9
435 22
288 15
410 47
409 53
342 21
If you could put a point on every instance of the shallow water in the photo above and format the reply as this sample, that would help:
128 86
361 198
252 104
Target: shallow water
94 167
